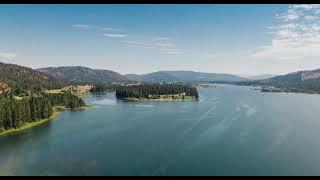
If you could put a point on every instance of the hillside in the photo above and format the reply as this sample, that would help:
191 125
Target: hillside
83 74
153 77
302 81
184 76
26 80
297 77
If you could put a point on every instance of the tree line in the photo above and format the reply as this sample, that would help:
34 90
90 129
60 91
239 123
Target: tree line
143 91
15 113
104 87
65 99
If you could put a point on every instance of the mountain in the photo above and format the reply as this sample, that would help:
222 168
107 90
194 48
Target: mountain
301 81
184 76
153 77
21 79
83 74
297 77
262 76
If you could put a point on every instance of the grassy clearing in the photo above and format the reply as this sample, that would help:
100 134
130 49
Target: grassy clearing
80 91
54 91
18 98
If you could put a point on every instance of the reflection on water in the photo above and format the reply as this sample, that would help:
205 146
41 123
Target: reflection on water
229 131
9 151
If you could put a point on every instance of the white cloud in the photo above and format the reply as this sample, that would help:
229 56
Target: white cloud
161 43
135 42
7 56
138 44
306 6
92 27
145 47
165 44
297 36
290 58
311 17
82 26
162 39
110 29
175 52
115 35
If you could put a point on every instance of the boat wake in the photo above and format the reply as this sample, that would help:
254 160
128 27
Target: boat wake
181 140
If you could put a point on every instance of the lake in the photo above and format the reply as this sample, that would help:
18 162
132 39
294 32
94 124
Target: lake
231 130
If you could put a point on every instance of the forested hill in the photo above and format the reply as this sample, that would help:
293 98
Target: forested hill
304 81
301 81
297 77
26 80
83 74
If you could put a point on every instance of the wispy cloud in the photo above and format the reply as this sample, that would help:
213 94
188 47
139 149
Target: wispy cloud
297 35
145 47
116 35
164 44
175 52
162 39
82 26
7 56
110 29
93 27
135 42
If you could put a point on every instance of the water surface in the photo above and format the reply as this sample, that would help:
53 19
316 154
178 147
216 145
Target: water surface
230 131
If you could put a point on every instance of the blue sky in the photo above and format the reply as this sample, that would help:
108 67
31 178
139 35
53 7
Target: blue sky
237 39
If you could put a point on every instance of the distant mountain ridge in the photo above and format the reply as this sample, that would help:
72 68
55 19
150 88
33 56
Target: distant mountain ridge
262 76
184 76
83 74
307 81
297 77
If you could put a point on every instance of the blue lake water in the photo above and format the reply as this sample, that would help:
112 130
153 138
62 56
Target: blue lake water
231 130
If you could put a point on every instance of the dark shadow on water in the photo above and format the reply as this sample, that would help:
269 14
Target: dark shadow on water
39 130
76 110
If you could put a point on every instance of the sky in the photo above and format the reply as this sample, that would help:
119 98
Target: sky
235 39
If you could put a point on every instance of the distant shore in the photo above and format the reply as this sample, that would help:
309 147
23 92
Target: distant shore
56 112
273 89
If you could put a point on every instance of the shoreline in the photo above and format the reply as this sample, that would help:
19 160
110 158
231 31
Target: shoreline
272 89
56 111
282 90
31 125
61 108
